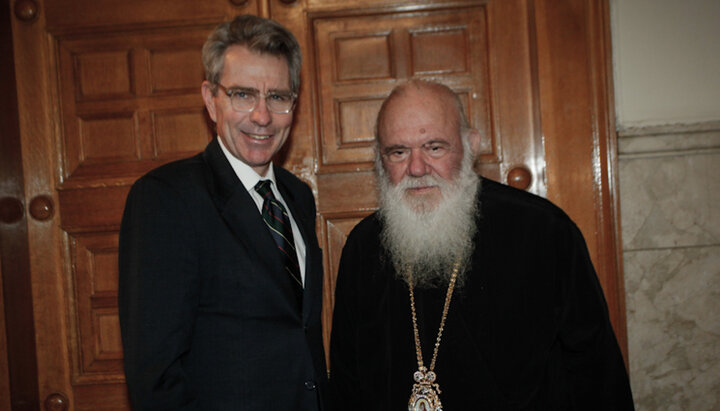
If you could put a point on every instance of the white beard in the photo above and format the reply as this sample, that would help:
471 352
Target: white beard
427 238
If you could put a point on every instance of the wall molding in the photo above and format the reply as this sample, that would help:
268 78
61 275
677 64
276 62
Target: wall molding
669 140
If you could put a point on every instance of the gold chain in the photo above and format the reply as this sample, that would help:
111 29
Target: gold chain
448 297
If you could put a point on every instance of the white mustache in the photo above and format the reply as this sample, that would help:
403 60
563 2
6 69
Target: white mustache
424 181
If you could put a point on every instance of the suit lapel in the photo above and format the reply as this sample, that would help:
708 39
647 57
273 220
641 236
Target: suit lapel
240 213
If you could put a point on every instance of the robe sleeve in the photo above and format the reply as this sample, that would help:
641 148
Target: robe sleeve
593 365
345 382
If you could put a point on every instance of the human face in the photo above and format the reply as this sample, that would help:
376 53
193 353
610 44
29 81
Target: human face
253 137
420 136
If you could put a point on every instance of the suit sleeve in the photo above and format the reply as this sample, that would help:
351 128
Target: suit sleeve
158 297
593 365
344 379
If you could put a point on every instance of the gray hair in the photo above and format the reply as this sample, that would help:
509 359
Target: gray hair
257 34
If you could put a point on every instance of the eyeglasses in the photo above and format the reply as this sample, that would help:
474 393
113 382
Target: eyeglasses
246 99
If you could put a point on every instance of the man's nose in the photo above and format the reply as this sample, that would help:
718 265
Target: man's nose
261 115
418 167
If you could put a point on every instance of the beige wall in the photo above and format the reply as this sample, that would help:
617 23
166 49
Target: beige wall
667 61
667 85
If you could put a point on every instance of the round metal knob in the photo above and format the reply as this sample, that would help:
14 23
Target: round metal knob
239 3
11 210
41 208
26 10
519 177
56 402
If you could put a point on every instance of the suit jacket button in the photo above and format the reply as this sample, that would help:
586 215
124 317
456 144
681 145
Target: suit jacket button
309 385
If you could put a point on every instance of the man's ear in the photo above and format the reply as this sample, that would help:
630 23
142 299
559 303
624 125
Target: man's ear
473 137
209 99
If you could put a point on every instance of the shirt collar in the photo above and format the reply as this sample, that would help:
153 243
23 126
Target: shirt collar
248 177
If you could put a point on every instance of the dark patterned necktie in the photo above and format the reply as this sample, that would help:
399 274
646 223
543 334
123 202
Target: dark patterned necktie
278 222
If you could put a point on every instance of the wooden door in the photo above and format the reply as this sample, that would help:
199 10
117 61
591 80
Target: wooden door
108 90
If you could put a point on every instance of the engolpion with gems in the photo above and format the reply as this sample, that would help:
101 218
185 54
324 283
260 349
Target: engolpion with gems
425 392
424 395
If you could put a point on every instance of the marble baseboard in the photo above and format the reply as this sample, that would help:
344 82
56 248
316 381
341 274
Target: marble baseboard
673 306
670 208
670 201
670 188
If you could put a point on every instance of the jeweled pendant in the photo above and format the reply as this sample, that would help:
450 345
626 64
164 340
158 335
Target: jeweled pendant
424 395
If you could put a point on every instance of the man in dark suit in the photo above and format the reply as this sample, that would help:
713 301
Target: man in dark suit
462 292
221 273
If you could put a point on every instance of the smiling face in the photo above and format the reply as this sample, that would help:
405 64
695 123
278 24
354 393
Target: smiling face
419 140
254 137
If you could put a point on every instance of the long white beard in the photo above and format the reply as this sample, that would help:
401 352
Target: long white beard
427 238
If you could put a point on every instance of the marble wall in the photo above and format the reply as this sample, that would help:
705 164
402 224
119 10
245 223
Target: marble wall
670 205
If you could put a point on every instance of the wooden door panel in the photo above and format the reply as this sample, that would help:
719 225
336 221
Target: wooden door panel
346 192
360 58
95 280
71 15
98 377
381 5
334 228
130 100
99 396
92 209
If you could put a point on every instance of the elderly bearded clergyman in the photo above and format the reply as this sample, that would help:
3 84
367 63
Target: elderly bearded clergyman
461 293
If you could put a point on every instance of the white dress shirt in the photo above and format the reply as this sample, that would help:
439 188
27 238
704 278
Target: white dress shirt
249 179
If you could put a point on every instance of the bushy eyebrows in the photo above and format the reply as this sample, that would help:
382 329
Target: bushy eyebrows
434 141
256 91
395 147
440 141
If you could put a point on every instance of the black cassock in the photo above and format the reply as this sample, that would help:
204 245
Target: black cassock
528 331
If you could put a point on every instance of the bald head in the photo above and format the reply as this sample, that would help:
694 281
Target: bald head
424 93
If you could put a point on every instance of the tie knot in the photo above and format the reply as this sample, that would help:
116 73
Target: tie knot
263 188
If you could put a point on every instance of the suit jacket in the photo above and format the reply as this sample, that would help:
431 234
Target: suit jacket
528 331
208 314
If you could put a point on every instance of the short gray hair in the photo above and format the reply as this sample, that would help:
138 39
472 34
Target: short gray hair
257 34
